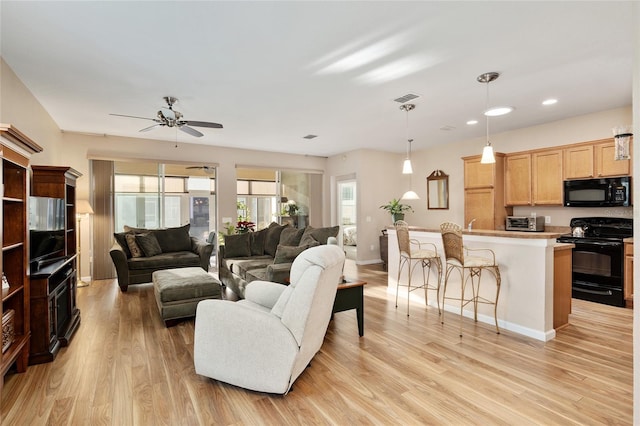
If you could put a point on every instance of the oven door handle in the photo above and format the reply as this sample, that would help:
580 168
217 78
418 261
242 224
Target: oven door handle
600 243
598 292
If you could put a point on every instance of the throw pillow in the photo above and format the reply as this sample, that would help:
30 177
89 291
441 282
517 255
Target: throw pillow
258 239
286 254
174 239
133 230
273 239
237 245
121 239
318 234
291 236
149 244
133 245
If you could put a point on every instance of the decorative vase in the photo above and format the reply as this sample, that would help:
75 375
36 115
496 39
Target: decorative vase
397 216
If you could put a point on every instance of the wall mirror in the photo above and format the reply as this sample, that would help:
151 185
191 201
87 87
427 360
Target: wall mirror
438 190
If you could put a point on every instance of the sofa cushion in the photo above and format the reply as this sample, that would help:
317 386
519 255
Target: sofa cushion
121 239
174 239
286 254
273 239
179 259
237 245
257 242
240 266
149 244
134 248
318 234
291 236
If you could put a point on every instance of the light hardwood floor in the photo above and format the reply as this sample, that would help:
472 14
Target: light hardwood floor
124 367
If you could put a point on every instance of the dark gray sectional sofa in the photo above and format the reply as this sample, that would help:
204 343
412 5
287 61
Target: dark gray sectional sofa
266 254
138 252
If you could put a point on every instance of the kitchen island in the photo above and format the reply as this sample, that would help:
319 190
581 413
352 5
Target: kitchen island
526 260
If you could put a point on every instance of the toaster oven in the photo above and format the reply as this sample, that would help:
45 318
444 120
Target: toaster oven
524 223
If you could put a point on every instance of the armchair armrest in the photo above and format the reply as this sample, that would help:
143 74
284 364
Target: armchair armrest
279 272
203 250
424 245
264 293
487 251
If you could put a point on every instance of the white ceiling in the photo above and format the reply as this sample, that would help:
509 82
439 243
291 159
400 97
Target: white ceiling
273 72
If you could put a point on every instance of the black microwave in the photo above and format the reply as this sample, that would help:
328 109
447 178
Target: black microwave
605 192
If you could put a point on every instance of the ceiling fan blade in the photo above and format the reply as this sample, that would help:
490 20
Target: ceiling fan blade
191 131
133 116
146 129
203 124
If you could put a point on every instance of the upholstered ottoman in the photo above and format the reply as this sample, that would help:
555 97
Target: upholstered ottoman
178 292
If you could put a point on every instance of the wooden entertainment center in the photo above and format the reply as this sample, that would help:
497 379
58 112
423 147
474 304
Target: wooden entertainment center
54 314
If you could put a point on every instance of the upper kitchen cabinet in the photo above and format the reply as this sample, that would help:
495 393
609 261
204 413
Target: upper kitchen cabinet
578 162
605 163
547 177
534 178
594 160
478 175
517 171
484 193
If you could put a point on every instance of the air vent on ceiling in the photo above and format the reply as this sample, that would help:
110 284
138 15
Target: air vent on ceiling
447 128
310 136
406 98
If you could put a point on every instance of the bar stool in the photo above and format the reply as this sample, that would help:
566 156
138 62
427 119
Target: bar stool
425 254
457 258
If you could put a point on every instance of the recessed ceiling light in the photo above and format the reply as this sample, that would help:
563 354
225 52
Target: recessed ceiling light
497 111
549 101
472 122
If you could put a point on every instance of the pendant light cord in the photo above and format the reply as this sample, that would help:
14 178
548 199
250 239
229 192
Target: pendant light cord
485 112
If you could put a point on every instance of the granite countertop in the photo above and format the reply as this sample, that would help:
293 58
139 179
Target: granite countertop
628 240
493 233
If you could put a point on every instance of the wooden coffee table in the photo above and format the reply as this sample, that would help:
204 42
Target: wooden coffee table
350 295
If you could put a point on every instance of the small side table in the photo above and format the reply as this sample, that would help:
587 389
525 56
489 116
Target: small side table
350 295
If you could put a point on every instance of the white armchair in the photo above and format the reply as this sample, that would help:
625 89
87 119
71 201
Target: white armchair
265 341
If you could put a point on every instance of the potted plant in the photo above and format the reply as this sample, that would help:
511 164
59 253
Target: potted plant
396 209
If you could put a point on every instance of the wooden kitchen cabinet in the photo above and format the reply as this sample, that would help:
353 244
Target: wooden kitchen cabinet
605 163
594 160
547 177
578 162
517 172
628 274
478 175
562 278
534 178
484 196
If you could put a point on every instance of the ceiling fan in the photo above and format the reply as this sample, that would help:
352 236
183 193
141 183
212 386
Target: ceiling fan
207 169
171 118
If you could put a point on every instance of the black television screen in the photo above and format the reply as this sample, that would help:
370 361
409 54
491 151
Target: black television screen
46 227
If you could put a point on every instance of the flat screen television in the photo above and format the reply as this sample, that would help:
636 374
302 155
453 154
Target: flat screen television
46 229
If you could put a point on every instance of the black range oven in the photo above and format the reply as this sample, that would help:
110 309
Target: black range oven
598 258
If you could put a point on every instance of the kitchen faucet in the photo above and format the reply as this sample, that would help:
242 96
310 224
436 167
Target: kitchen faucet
470 224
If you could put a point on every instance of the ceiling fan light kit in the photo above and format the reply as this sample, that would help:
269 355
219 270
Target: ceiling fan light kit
168 117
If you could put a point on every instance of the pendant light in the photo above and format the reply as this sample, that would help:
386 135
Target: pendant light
487 152
407 168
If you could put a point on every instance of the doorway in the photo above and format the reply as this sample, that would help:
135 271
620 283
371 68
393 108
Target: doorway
347 216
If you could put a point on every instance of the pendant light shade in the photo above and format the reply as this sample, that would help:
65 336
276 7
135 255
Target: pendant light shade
410 195
487 155
407 169
487 152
